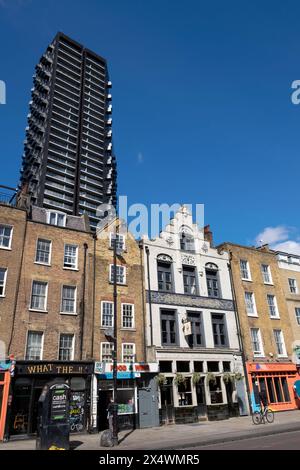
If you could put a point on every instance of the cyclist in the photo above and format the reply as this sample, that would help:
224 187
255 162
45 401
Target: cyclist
263 400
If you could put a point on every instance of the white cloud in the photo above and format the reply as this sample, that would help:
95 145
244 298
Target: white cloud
279 238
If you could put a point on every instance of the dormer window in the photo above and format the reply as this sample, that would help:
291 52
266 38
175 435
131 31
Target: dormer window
56 218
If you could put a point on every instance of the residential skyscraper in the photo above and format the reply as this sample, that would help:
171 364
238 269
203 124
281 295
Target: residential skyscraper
68 161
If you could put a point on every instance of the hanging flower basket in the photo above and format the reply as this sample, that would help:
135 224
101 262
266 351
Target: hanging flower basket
228 377
196 378
211 378
238 376
180 379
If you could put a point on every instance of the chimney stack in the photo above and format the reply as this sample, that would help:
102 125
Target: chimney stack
208 236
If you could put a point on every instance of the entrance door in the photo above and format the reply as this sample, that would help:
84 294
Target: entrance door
103 402
167 402
148 406
201 401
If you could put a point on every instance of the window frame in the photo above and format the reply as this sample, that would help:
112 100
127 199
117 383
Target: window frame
210 277
61 300
260 353
171 313
101 352
293 287
277 316
57 213
190 314
10 236
42 345
191 273
297 318
284 354
76 265
270 282
249 278
73 346
255 313
219 322
101 310
134 353
111 279
160 264
36 252
33 309
4 281
133 316
111 237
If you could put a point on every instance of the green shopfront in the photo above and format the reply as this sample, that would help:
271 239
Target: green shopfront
27 385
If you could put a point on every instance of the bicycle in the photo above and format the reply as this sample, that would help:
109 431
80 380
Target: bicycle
260 416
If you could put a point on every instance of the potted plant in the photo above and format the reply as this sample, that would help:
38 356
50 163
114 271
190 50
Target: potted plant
238 376
196 377
227 377
180 379
161 379
211 377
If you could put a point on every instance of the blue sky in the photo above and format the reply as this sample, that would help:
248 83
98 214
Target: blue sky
201 102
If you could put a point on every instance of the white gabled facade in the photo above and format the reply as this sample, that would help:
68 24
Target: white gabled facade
189 291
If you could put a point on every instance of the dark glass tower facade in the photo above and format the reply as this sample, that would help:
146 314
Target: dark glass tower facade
68 161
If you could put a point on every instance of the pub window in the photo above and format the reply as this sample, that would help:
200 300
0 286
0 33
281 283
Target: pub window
164 274
189 280
165 366
219 329
197 336
215 391
212 366
182 366
168 327
185 393
212 280
198 366
34 349
66 347
226 366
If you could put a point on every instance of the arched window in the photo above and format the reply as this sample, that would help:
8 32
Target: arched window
164 273
212 280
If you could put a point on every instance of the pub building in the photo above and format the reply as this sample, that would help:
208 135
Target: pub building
137 394
28 382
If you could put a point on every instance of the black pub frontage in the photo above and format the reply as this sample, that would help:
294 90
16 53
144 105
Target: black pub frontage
29 379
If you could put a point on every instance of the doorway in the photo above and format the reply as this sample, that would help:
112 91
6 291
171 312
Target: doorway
201 400
105 397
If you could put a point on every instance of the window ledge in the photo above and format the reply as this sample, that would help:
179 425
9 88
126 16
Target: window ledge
42 264
123 328
74 314
70 269
247 280
2 296
5 248
37 310
252 315
274 318
268 283
118 284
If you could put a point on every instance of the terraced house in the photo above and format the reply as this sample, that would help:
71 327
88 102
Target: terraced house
191 325
267 333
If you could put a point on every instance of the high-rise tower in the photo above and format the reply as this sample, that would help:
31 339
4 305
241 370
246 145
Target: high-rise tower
68 160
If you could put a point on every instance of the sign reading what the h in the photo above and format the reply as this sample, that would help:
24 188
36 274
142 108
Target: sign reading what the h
2 92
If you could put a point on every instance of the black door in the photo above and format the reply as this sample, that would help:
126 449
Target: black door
103 402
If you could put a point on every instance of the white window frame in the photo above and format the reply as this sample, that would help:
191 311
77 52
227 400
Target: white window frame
32 309
269 274
73 345
112 304
61 300
111 236
42 344
254 314
101 352
134 351
49 212
111 280
50 252
261 352
274 305
133 316
297 317
249 278
10 237
295 286
4 281
76 264
282 342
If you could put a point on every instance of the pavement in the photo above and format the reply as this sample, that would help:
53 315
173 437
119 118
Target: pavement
180 436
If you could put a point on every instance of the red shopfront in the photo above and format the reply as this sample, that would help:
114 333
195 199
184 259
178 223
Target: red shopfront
277 379
6 371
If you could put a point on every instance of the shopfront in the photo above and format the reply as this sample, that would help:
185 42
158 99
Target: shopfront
27 385
277 380
6 371
136 394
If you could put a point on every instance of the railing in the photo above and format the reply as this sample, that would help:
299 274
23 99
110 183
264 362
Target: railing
7 195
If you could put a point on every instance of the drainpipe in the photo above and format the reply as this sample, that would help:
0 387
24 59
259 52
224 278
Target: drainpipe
239 334
85 246
94 295
149 295
141 246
